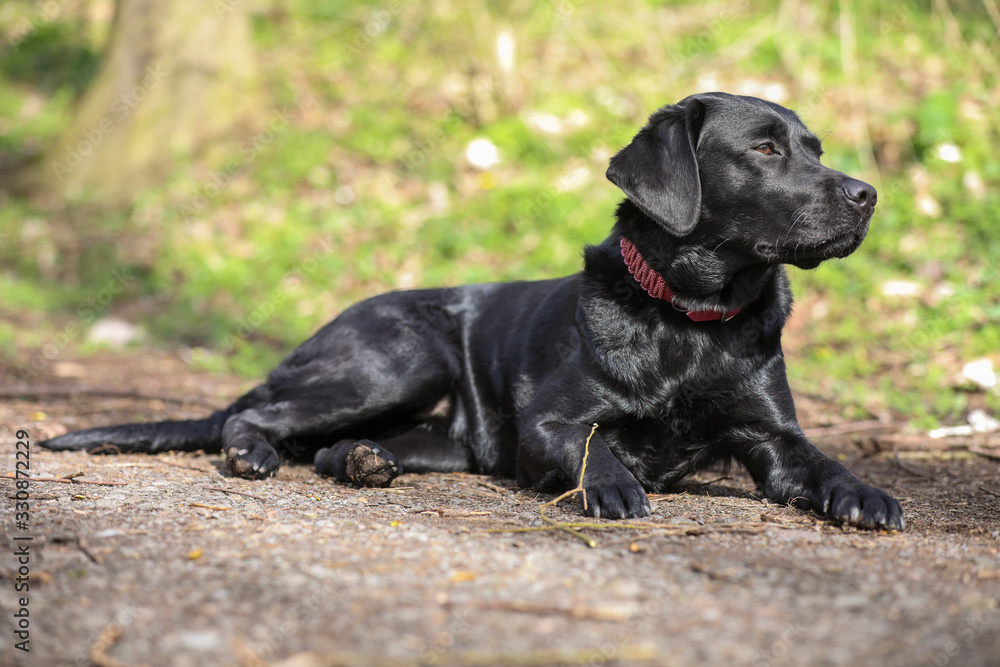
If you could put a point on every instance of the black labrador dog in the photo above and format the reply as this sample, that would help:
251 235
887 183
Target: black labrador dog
669 340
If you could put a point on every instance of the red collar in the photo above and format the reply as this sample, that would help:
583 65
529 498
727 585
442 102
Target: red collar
656 286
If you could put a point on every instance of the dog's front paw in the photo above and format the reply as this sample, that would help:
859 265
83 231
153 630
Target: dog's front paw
256 460
850 501
615 497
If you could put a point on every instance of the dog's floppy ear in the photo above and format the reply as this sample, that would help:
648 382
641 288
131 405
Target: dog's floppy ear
658 170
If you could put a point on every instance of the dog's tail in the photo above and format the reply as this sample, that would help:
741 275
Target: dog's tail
185 436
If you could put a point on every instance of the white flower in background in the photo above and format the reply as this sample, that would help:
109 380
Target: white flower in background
973 182
577 118
612 101
544 122
482 154
552 124
505 51
981 373
775 92
949 153
928 206
344 195
900 288
574 179
943 291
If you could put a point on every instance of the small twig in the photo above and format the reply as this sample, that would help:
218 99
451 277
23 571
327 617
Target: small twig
985 490
518 606
65 480
572 492
846 429
105 449
82 545
238 493
99 651
657 529
907 467
127 464
79 543
698 485
451 512
993 456
483 658
741 528
107 392
492 487
477 479
210 507
182 465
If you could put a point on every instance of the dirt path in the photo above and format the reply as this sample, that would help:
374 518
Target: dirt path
175 567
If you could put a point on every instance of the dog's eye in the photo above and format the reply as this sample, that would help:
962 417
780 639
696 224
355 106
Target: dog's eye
766 149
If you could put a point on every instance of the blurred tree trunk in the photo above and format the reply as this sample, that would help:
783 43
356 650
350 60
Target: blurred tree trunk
177 75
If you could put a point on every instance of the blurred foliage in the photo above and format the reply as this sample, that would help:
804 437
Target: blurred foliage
358 181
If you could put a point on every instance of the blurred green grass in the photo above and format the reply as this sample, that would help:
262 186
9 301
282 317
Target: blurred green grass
366 187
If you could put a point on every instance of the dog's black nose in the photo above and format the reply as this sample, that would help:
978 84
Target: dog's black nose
861 195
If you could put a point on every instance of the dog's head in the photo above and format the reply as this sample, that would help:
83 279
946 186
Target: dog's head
745 174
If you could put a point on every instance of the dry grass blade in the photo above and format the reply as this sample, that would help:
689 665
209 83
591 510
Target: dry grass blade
235 493
623 654
64 480
569 494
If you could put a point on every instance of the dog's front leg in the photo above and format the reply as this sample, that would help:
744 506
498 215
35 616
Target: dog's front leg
790 469
551 458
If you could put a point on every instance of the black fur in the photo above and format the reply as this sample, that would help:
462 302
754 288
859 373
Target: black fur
508 378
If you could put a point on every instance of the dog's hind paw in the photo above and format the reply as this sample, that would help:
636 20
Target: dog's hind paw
367 464
361 462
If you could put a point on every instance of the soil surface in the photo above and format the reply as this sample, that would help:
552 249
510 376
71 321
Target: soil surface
176 562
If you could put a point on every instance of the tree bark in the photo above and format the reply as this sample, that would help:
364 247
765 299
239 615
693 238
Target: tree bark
177 76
